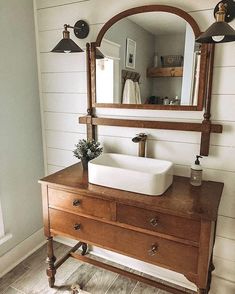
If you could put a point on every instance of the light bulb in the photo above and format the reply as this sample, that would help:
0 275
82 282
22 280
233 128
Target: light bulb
217 38
67 51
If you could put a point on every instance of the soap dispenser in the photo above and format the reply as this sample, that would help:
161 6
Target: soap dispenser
196 172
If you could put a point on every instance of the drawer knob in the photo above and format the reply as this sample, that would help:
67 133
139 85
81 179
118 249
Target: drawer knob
76 202
77 227
154 222
153 250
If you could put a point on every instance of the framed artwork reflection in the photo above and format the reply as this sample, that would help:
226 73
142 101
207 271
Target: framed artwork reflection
130 53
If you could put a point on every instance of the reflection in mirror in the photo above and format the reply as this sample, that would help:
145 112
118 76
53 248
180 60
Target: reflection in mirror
150 58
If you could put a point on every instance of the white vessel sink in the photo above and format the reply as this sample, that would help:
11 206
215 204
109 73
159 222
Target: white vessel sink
131 173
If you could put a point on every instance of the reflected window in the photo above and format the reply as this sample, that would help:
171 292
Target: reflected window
105 72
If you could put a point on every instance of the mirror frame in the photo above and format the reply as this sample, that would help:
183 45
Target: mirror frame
206 59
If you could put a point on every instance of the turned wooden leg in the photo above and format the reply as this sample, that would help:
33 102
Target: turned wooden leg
51 271
84 248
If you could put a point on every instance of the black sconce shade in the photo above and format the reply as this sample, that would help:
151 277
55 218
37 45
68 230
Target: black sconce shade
220 31
66 45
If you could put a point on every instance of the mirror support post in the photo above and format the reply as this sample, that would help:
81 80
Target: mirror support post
206 123
90 127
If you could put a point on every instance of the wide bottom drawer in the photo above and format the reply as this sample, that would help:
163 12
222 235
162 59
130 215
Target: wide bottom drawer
176 256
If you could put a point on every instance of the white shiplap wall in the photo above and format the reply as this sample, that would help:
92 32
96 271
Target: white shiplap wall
63 100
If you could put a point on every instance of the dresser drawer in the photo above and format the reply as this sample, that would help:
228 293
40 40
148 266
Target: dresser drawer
78 203
159 222
155 250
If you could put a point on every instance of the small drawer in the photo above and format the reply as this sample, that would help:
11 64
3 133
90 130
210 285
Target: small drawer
159 222
77 203
159 251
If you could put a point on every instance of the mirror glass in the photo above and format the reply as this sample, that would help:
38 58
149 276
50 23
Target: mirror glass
148 58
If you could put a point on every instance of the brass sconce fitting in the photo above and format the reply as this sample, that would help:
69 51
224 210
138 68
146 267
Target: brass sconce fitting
220 31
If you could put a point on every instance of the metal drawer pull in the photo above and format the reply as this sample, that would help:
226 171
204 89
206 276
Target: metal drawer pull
154 222
76 202
77 227
153 250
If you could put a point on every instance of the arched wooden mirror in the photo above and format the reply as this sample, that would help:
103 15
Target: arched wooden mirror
150 61
124 50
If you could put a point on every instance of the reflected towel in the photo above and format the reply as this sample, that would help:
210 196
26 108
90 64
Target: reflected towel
137 93
128 96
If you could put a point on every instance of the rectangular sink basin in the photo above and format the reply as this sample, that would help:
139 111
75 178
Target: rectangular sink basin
131 173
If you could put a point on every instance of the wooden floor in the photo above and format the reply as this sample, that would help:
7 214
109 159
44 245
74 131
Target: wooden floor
29 277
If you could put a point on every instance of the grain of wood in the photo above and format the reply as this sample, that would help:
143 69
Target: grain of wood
12 276
11 290
39 256
122 285
30 277
100 282
35 280
81 276
142 289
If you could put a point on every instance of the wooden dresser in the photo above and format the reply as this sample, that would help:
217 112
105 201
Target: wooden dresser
175 231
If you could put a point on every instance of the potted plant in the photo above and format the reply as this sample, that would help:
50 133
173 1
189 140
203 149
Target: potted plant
87 150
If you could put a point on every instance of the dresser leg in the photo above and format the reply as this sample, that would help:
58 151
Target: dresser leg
51 271
211 269
84 248
202 291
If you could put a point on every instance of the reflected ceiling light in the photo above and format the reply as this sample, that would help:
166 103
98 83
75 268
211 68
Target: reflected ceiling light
220 31
66 45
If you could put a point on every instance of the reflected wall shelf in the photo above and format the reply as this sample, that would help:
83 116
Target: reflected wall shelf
159 72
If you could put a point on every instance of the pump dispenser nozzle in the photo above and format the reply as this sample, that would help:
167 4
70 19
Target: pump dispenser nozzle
197 161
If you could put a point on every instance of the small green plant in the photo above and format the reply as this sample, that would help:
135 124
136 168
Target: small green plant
87 149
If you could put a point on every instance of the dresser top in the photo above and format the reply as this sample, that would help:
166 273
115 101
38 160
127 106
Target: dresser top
180 199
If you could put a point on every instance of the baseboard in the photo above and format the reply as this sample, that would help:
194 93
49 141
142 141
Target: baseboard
17 254
141 266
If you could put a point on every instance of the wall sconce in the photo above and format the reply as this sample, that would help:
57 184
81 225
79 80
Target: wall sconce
220 31
66 45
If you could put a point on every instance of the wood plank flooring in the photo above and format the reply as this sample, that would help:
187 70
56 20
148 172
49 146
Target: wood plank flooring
29 277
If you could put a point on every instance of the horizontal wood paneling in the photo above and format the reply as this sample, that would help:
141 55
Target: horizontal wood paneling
222 286
63 122
63 102
223 81
53 168
221 252
64 141
227 138
227 205
53 3
225 227
51 62
223 56
224 269
88 11
222 107
196 5
159 135
64 82
60 157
